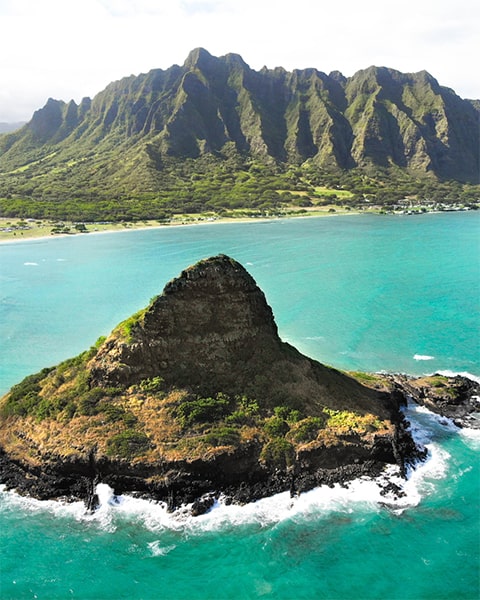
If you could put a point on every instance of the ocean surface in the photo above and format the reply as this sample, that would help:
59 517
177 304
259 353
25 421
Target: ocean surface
399 293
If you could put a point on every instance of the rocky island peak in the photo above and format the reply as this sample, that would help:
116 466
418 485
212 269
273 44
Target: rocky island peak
197 394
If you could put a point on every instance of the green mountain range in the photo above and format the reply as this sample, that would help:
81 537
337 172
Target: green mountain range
213 129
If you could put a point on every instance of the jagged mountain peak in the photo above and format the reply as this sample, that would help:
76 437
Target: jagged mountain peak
338 76
235 59
379 117
197 57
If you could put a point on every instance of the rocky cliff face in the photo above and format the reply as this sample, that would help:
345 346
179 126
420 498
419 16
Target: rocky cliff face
197 394
203 331
379 117
212 330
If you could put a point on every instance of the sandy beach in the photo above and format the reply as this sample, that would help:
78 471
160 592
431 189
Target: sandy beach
13 229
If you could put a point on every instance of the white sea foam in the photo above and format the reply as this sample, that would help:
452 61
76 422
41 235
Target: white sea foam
426 428
158 550
15 501
422 432
447 373
31 264
423 357
471 437
362 494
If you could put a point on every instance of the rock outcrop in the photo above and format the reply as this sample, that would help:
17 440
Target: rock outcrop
455 397
212 331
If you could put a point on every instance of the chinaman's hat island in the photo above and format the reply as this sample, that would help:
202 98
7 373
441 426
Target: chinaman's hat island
196 395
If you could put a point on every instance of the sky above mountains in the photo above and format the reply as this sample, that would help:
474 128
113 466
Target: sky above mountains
73 48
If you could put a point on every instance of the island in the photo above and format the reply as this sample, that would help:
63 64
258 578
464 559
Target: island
196 395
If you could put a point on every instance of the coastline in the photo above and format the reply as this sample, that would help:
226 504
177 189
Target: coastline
192 493
36 231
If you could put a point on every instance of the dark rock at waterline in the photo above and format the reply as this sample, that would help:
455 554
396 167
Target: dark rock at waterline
455 397
202 505
337 466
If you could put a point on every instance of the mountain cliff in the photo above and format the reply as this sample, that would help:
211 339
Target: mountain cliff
129 134
197 394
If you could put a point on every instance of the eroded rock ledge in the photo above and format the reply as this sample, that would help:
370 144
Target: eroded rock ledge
454 397
197 395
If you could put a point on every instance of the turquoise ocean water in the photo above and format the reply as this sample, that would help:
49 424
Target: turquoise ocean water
361 292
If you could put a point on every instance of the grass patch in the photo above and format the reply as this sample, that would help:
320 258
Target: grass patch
223 436
276 427
246 413
278 453
27 166
350 421
24 397
203 410
153 385
128 327
307 429
365 377
128 444
63 390
440 385
368 379
291 415
332 192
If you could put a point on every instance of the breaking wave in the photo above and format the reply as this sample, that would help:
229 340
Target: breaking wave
423 357
447 373
363 494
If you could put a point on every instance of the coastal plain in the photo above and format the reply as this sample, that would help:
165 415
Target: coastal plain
24 229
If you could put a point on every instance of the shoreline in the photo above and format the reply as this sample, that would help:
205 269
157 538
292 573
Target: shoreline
39 233
391 479
38 230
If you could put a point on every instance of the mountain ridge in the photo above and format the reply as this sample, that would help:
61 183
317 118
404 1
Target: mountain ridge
124 139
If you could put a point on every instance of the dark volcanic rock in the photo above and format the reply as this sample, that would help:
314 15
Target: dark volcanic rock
213 315
455 397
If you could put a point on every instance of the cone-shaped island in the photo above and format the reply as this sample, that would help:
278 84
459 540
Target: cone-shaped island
197 395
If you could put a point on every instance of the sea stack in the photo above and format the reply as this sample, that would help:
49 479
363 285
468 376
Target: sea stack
194 396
